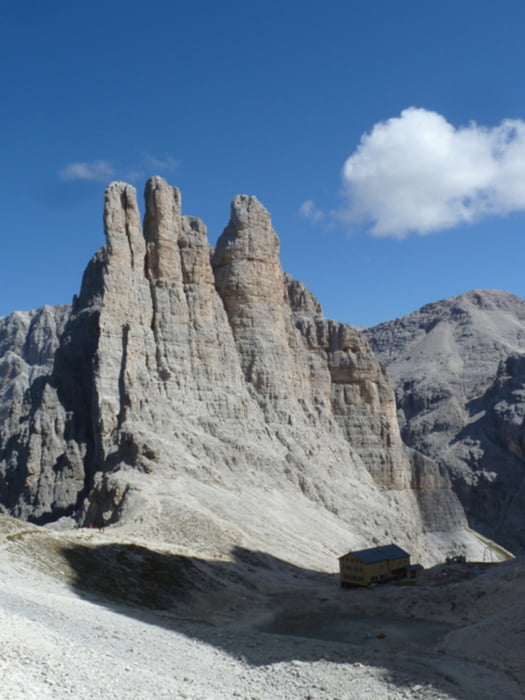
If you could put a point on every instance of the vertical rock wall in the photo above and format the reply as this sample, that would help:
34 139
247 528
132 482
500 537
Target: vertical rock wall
192 385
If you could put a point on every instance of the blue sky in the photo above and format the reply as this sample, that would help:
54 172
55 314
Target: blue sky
423 101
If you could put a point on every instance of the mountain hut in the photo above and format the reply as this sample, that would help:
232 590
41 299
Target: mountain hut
378 564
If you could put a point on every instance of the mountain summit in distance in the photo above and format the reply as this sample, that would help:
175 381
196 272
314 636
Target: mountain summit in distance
458 369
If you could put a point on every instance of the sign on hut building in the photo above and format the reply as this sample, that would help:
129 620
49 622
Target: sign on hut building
377 564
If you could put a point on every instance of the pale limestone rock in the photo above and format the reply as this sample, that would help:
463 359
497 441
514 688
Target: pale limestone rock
458 370
28 341
250 281
162 225
202 398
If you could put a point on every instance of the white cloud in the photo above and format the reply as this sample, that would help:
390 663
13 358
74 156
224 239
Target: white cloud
419 173
308 210
99 170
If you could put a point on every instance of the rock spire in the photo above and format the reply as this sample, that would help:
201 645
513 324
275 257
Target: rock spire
201 396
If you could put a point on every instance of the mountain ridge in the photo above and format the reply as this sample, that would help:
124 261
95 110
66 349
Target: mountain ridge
457 369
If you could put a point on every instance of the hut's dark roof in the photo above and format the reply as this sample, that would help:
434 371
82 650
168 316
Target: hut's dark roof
387 551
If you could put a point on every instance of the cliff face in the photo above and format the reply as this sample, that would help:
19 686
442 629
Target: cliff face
200 396
458 370
28 342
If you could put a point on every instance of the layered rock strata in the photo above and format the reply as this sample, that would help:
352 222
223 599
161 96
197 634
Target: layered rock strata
200 396
458 368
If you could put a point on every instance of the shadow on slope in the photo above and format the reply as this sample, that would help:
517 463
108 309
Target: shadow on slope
263 610
492 489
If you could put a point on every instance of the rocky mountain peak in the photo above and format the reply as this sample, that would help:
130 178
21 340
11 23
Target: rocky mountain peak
247 212
121 218
202 396
249 235
457 369
162 227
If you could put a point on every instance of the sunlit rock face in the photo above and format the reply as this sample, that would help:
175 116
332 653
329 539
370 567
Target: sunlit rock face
200 396
458 368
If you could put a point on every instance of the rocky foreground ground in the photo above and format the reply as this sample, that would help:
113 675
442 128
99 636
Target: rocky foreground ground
91 614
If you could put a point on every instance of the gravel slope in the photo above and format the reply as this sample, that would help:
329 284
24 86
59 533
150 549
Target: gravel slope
60 638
